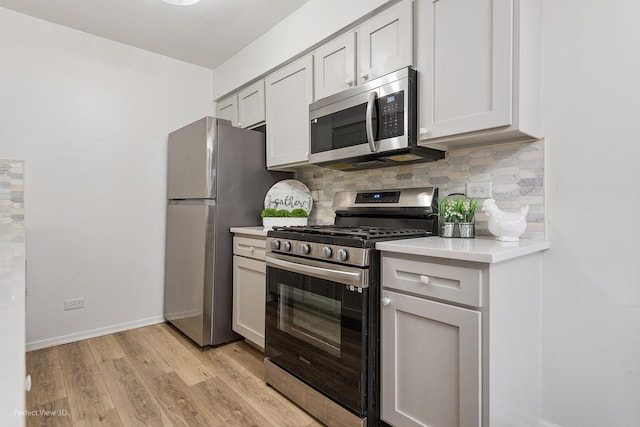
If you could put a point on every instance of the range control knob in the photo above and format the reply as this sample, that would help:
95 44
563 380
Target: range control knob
305 249
286 246
275 244
326 252
342 255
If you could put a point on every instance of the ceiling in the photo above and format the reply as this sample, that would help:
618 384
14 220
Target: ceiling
206 34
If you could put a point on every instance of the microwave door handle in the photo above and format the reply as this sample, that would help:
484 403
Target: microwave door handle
369 122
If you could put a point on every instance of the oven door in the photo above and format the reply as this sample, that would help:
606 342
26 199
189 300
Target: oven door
316 326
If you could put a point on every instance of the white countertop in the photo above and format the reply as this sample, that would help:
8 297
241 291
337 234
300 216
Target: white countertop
480 249
257 230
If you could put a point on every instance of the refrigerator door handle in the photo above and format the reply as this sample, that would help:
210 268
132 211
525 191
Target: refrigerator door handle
193 202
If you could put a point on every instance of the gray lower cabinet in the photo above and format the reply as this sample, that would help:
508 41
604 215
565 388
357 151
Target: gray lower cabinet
460 341
431 372
249 281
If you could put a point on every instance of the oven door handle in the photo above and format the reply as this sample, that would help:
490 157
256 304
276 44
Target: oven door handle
369 122
344 277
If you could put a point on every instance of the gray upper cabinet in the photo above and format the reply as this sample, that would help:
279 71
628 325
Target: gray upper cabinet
245 108
289 91
251 105
228 109
479 63
335 66
380 46
385 42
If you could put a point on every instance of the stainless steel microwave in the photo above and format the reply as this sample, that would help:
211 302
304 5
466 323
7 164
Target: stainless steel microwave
369 126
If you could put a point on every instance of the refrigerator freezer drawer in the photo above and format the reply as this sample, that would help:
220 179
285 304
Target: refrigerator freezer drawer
189 270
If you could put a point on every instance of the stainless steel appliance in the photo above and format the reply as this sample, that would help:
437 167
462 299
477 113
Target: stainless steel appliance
216 178
323 301
369 126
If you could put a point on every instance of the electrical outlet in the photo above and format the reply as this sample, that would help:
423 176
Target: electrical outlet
72 304
479 190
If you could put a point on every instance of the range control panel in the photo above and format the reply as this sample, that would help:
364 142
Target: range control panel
391 111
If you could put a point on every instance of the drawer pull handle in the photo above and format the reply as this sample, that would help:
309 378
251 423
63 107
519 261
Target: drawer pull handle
252 249
425 279
386 301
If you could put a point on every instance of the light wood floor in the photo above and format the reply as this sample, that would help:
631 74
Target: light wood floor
154 376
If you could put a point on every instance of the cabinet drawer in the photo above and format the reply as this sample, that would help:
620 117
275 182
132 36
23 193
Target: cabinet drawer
250 247
451 283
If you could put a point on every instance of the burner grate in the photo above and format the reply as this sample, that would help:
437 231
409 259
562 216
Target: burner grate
357 232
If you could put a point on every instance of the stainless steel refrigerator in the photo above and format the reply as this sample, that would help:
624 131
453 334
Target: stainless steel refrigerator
216 179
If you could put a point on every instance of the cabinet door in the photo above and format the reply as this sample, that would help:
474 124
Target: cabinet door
251 105
466 66
249 289
228 109
289 93
431 363
335 66
385 42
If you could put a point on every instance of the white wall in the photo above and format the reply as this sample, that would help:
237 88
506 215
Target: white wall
307 26
91 118
591 293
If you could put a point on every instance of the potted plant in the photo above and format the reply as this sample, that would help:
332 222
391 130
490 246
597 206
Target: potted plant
448 216
466 208
283 218
457 214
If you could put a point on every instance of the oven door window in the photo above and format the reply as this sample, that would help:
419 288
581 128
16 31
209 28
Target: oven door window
311 317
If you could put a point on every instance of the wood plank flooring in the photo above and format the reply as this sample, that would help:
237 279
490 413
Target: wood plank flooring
154 376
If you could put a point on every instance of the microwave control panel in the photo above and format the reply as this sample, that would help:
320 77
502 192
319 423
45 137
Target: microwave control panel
391 110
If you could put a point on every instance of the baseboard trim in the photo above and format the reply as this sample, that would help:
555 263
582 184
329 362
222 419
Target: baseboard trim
92 333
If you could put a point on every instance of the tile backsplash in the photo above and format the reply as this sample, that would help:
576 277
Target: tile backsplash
12 240
11 197
515 169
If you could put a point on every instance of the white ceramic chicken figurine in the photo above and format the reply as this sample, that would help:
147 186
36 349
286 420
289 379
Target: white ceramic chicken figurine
507 226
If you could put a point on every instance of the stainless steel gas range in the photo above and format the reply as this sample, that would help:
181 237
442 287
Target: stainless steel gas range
323 301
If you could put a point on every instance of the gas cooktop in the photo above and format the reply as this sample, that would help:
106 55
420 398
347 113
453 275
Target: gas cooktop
362 218
357 232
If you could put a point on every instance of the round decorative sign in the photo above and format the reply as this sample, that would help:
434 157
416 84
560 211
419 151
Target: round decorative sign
289 194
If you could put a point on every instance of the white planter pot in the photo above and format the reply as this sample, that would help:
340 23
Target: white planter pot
270 222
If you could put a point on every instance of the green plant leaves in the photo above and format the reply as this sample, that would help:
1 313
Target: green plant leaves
283 213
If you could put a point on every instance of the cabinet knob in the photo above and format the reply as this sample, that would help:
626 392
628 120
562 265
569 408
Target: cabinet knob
425 279
252 249
423 131
349 82
386 301
365 76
